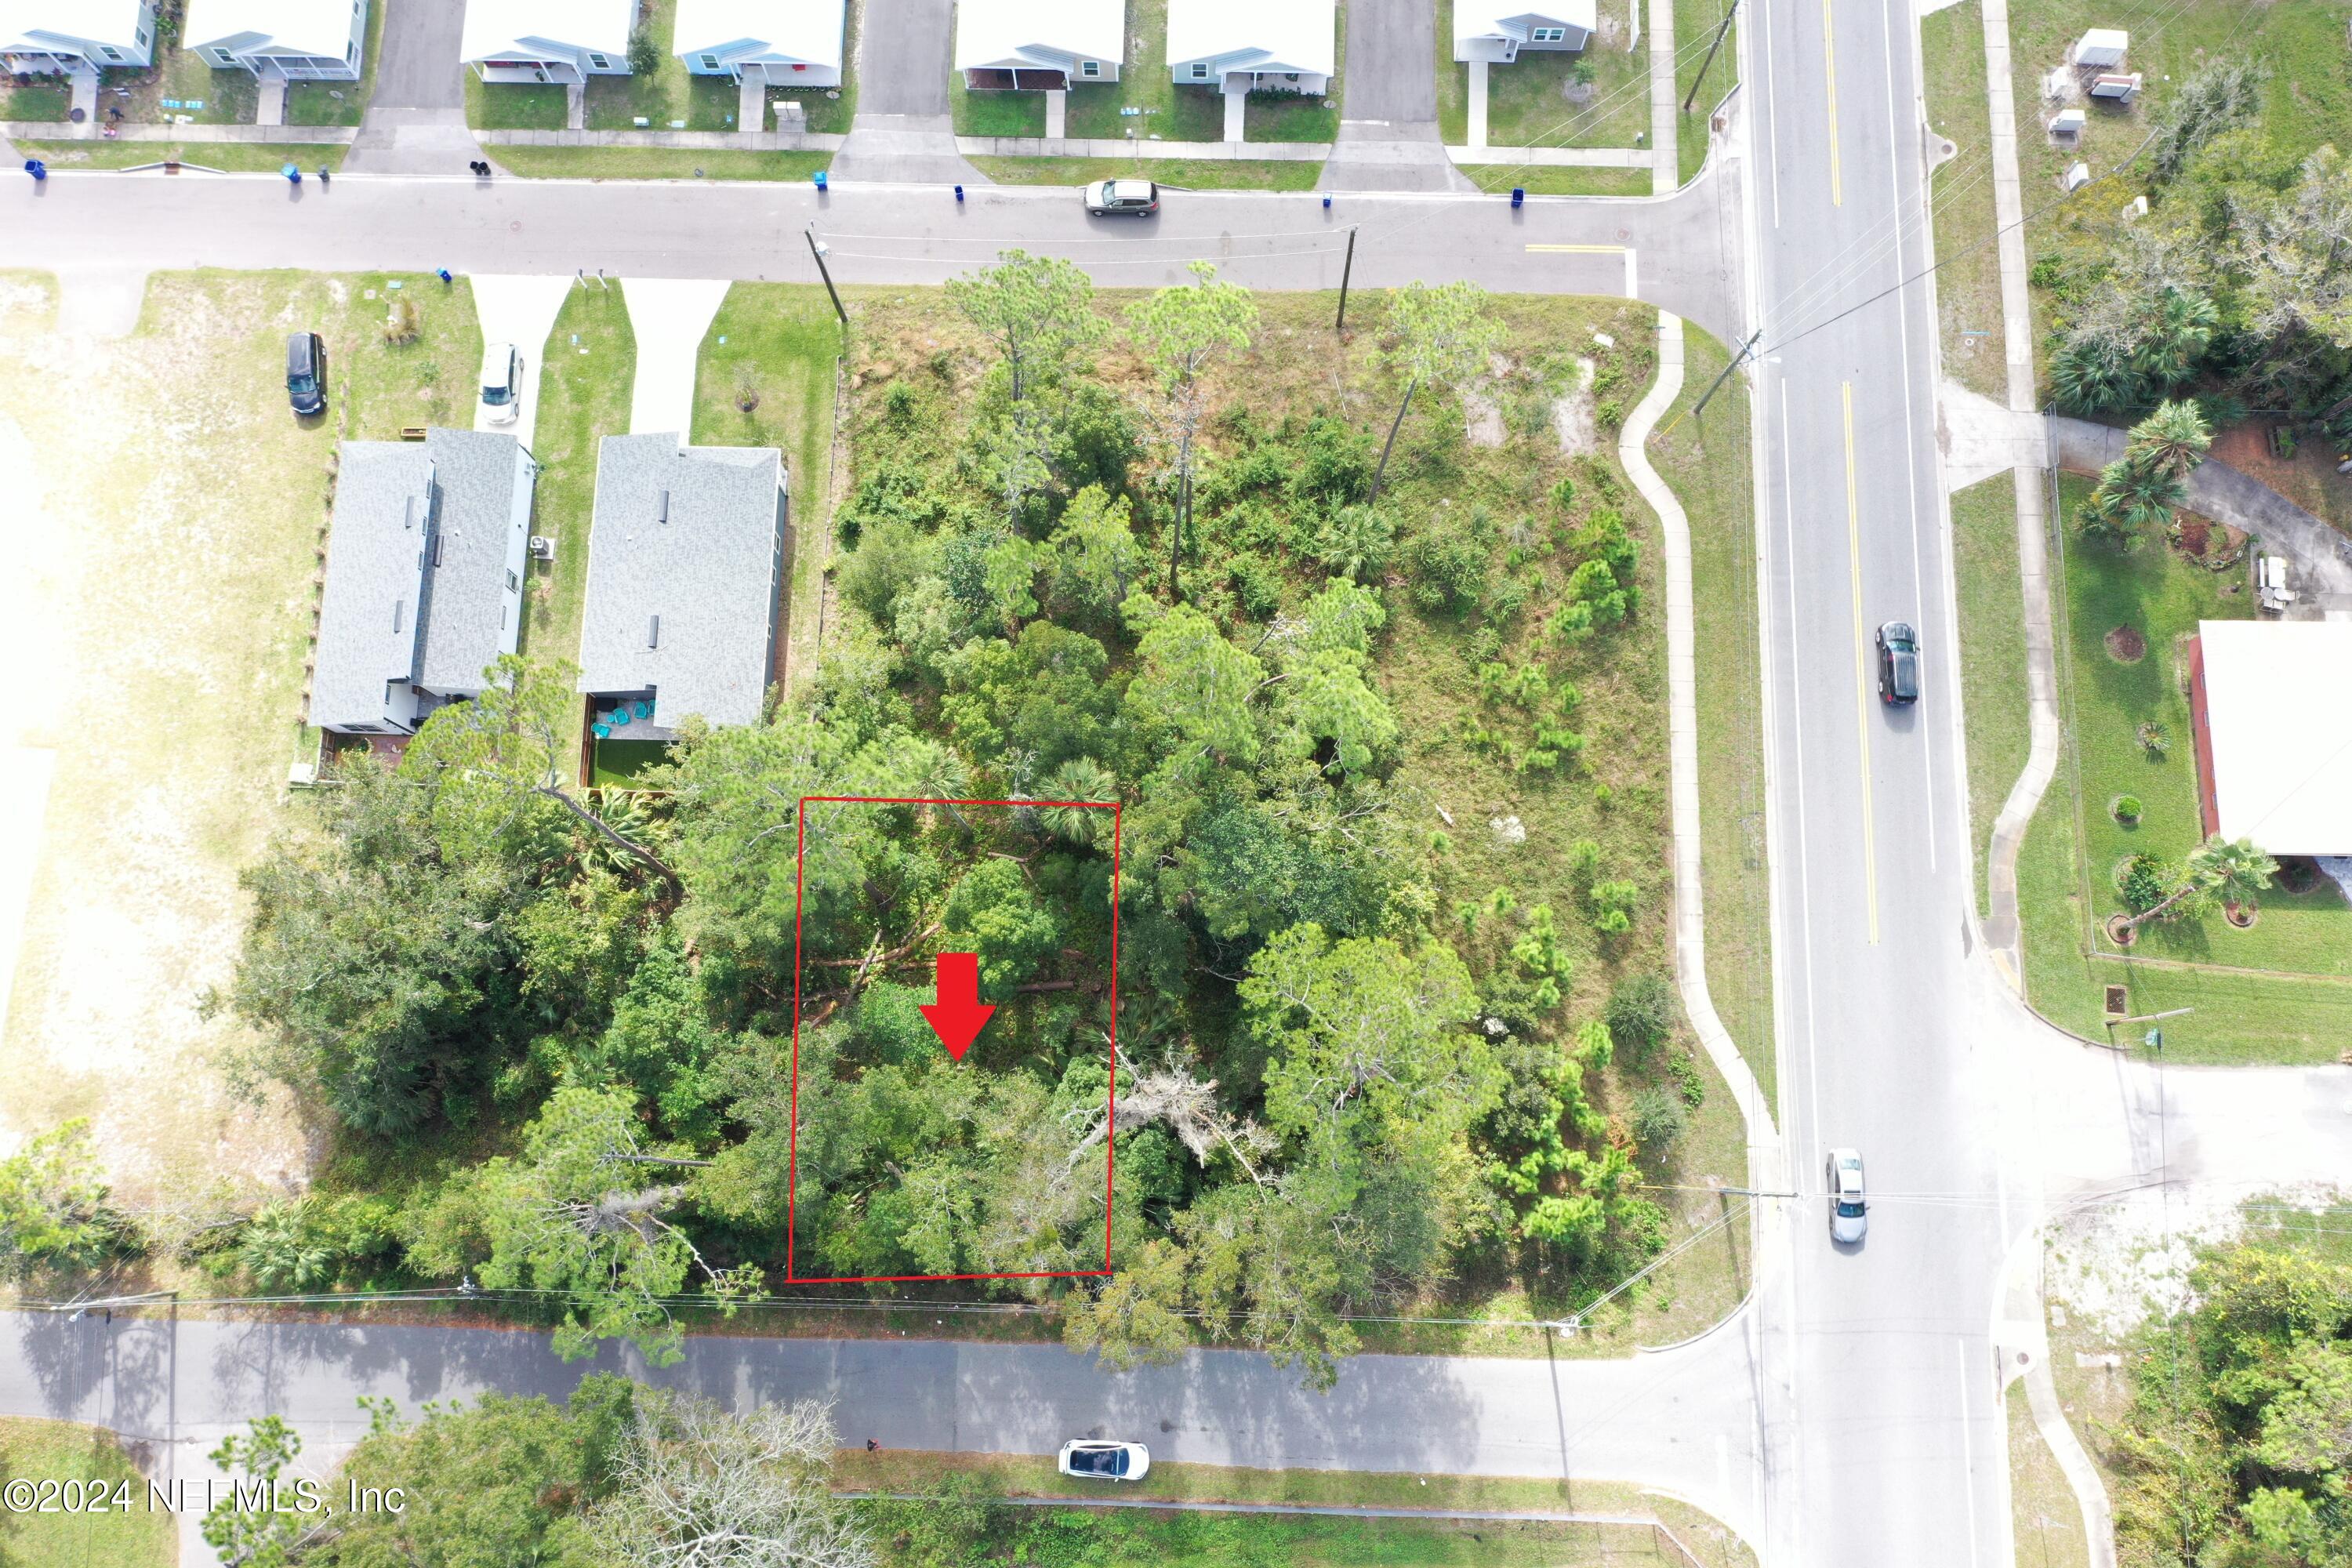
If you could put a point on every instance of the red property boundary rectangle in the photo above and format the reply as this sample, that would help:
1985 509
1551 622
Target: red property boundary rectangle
1111 1139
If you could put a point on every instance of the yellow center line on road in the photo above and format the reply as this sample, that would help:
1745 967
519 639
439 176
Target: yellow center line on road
1860 669
1829 55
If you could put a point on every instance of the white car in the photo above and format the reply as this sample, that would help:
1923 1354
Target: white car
1849 1215
502 382
1097 1461
1123 198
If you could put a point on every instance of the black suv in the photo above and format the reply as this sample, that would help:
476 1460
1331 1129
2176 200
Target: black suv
306 374
1898 663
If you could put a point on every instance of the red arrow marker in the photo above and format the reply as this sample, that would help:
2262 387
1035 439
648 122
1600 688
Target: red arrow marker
957 1017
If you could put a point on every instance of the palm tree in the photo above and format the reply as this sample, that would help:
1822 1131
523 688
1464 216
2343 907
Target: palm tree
2234 869
1079 779
2171 441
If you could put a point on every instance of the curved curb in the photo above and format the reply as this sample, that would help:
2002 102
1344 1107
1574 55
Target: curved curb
1682 701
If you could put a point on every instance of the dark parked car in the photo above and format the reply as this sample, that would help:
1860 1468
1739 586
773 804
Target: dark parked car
1898 663
306 372
1123 198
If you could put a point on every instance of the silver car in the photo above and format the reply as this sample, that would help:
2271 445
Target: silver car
1849 1215
1123 198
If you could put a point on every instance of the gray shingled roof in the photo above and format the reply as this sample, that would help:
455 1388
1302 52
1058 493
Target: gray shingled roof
474 471
376 580
709 575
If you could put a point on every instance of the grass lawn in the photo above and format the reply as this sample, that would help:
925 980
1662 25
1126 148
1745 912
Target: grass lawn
1171 112
199 504
1715 1547
514 106
1290 117
829 109
621 762
229 97
39 1450
1179 173
341 103
1707 461
994 112
669 93
656 163
28 301
232 157
1549 181
1538 100
782 340
583 397
1695 22
1993 655
2279 992
1967 276
44 98
2044 1513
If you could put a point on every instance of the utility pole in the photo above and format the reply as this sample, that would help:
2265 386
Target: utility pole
1347 269
825 273
1726 27
1745 349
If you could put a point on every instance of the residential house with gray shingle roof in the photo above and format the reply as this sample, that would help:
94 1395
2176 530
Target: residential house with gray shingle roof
686 572
426 560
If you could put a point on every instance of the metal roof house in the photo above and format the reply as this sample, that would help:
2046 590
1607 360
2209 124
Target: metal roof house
685 572
1048 44
425 567
41 37
1245 45
1483 36
785 42
564 41
2274 731
292 40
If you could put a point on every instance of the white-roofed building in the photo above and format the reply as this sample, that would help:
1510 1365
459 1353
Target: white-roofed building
41 37
2271 702
291 41
1048 44
1244 46
785 42
564 41
1499 39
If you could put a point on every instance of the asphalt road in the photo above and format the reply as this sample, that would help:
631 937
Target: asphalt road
1679 1420
1887 1442
99 224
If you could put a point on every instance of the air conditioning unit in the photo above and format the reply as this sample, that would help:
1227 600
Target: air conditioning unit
542 548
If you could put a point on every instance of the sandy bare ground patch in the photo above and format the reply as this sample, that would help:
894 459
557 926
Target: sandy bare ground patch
166 623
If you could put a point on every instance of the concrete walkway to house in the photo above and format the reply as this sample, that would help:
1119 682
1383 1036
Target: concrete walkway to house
415 123
670 317
1236 116
1477 137
269 107
2318 554
519 310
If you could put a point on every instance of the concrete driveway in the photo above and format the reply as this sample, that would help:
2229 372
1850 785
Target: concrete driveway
1388 139
415 123
903 131
519 310
670 317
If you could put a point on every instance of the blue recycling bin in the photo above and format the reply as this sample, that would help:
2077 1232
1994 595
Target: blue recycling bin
959 196
819 179
38 170
1518 195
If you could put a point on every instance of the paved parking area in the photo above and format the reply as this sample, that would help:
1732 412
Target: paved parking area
519 310
670 317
